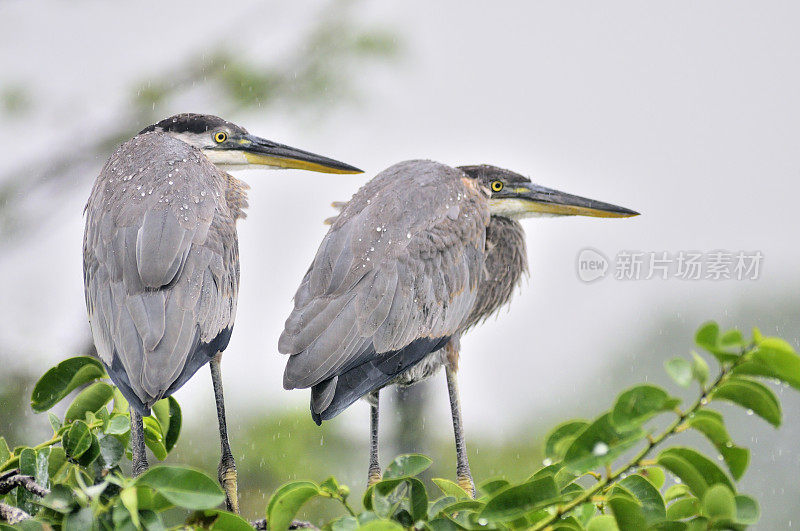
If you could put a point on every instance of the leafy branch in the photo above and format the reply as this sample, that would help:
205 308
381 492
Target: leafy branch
602 475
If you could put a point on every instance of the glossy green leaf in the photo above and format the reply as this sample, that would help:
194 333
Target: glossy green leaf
62 379
91 454
654 475
5 451
153 437
450 488
627 512
175 422
55 422
407 465
747 511
183 486
60 499
604 522
680 370
90 399
492 486
514 502
752 396
700 369
676 491
708 337
217 520
684 508
561 437
77 439
775 358
417 496
694 469
710 423
119 424
648 496
80 520
719 503
111 452
639 404
286 502
599 444
380 525
130 501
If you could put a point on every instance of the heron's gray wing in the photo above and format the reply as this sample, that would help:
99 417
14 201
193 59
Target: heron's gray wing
398 269
160 265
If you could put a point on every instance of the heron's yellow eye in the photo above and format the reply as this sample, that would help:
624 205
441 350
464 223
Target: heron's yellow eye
497 186
220 137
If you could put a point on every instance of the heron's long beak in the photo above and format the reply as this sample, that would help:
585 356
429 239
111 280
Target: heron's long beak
264 152
532 199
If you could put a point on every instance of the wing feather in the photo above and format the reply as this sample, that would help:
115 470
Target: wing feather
400 265
160 265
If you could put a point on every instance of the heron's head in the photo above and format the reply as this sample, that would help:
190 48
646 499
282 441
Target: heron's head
514 196
231 147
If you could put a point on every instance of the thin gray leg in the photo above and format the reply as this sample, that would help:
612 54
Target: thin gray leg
374 475
464 474
138 455
227 466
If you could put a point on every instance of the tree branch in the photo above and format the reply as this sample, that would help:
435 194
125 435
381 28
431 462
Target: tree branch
26 482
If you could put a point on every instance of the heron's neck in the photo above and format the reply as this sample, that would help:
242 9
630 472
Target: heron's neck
236 196
506 261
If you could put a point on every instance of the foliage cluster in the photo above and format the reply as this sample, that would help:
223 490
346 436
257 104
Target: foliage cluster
598 475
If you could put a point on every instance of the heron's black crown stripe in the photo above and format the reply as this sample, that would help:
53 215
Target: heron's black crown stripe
192 123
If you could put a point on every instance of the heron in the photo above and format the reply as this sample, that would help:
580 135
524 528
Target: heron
421 253
161 259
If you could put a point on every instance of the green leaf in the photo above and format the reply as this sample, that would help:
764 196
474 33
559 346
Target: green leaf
5 451
111 452
561 437
654 475
676 491
175 421
514 502
183 486
418 498
450 488
724 348
130 501
710 423
680 371
492 486
751 395
599 444
62 379
776 358
627 512
719 503
407 465
286 502
90 399
652 504
684 508
78 521
77 439
637 405
55 423
91 453
604 522
153 437
746 510
215 519
60 499
379 525
118 425
700 369
693 468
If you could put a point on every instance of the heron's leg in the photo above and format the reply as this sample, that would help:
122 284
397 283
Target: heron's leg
138 455
227 466
374 475
462 463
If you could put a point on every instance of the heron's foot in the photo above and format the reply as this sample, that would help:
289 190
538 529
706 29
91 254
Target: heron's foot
466 483
374 475
229 481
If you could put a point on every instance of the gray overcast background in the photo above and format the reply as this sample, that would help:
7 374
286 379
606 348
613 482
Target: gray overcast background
686 111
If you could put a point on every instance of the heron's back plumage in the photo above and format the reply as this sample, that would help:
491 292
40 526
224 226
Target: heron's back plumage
396 275
161 265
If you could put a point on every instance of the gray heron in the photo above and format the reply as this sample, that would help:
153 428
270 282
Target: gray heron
419 255
161 259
